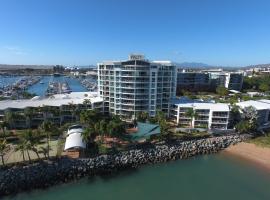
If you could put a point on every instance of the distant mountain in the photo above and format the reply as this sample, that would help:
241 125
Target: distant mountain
192 65
10 67
258 66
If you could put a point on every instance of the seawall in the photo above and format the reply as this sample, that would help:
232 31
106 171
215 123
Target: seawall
44 174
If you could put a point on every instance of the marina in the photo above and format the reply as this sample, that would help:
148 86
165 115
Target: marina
89 83
63 84
57 87
12 87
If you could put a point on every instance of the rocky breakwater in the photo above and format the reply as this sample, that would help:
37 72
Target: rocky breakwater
45 174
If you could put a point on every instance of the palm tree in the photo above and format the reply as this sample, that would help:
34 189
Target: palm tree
88 135
74 111
44 109
160 116
191 113
55 112
86 102
21 147
102 128
85 135
89 117
142 116
31 139
9 118
3 126
3 146
47 127
44 151
29 115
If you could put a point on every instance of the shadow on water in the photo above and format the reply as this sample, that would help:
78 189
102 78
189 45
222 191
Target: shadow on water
107 177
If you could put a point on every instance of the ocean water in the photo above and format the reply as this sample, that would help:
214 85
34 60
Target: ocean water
208 177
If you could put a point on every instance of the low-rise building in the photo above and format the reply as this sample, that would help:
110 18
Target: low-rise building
59 108
193 80
74 144
206 114
263 111
209 80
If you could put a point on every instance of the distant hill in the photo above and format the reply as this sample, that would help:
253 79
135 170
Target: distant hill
192 65
5 66
258 66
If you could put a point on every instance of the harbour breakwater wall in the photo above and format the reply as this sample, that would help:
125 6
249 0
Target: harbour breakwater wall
44 174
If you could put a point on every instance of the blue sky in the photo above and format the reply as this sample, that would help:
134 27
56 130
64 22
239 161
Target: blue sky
83 32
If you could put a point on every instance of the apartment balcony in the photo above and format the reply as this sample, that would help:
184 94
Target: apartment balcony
203 114
219 122
184 122
184 117
220 116
218 126
201 119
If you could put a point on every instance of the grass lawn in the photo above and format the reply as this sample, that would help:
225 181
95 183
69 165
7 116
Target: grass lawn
263 141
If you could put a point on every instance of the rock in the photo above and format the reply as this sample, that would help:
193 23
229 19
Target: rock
44 174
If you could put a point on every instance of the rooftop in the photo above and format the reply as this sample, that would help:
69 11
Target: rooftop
144 131
137 57
74 140
258 105
55 100
197 104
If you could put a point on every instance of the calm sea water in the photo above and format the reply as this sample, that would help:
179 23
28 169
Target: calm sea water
40 89
7 80
208 177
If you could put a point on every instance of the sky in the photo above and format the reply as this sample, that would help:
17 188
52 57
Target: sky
84 32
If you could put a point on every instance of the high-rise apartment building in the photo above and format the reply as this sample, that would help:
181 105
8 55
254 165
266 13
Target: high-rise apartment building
137 85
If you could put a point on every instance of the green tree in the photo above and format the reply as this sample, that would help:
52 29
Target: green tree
9 118
142 116
164 127
3 146
264 87
160 116
235 115
48 127
29 115
44 151
86 103
222 91
242 127
21 147
32 140
89 117
3 125
191 113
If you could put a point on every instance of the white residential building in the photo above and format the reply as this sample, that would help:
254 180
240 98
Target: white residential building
137 85
263 110
58 108
208 115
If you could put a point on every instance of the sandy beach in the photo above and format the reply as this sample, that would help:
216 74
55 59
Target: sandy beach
258 155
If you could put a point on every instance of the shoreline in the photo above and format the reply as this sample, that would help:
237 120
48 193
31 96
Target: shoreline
255 155
45 174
